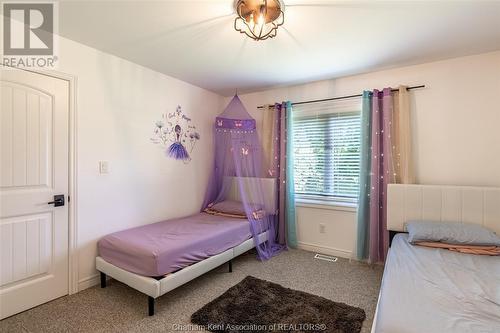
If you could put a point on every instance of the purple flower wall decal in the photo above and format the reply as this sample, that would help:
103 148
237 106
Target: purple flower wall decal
176 135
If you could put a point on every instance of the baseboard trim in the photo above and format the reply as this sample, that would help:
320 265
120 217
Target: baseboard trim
88 282
324 250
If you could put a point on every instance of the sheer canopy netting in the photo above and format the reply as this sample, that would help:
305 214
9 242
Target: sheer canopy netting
238 167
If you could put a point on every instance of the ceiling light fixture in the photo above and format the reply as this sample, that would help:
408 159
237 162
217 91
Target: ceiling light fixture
259 19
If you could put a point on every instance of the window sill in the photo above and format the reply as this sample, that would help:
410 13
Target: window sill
343 206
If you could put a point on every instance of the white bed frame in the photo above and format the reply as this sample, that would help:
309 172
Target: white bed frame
462 204
154 288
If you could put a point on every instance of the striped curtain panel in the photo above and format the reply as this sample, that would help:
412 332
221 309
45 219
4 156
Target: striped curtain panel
385 159
277 134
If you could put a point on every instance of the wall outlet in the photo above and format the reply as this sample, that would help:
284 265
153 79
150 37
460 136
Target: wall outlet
103 167
322 228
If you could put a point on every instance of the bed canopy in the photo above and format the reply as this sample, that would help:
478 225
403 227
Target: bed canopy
238 161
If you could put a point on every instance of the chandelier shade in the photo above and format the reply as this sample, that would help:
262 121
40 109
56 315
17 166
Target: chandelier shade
259 19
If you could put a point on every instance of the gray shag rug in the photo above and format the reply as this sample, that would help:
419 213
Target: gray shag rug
255 305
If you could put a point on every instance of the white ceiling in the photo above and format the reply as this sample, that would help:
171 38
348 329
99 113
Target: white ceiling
195 41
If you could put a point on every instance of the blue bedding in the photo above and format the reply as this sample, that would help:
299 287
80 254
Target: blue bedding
438 291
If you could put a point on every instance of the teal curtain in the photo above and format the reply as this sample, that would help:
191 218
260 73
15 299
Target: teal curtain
290 181
363 215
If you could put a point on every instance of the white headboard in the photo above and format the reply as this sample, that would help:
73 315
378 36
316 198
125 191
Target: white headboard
479 205
268 186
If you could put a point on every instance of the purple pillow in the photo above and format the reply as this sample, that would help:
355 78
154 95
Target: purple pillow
229 207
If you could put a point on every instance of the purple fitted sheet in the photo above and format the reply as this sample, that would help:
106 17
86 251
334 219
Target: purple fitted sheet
164 247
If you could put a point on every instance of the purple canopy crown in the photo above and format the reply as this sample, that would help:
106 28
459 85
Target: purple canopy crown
235 124
235 117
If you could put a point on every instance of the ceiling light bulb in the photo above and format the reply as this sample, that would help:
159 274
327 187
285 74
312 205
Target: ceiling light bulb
261 19
251 22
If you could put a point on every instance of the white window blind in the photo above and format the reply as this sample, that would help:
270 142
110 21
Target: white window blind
327 142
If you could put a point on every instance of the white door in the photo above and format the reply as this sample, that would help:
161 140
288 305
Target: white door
34 167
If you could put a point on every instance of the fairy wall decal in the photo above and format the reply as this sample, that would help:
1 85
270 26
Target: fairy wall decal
176 132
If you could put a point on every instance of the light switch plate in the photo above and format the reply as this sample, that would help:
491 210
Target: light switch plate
103 167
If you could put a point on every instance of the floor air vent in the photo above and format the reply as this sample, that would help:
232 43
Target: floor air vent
325 257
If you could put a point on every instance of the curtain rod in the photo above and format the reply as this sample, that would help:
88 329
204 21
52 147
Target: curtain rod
344 97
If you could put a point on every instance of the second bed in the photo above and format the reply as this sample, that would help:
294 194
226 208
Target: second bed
437 290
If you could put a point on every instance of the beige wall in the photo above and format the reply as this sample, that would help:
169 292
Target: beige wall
455 124
118 104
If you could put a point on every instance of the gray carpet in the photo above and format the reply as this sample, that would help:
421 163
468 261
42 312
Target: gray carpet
119 308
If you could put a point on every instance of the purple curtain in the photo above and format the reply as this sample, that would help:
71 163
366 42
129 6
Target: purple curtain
381 173
281 168
276 161
239 158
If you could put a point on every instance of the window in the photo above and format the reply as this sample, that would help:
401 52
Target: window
327 141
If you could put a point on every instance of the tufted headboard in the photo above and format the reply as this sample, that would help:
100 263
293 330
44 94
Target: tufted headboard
470 204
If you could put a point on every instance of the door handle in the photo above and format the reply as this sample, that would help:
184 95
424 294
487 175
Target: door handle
58 200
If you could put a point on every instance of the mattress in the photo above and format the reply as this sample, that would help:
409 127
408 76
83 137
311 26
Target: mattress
436 290
165 247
